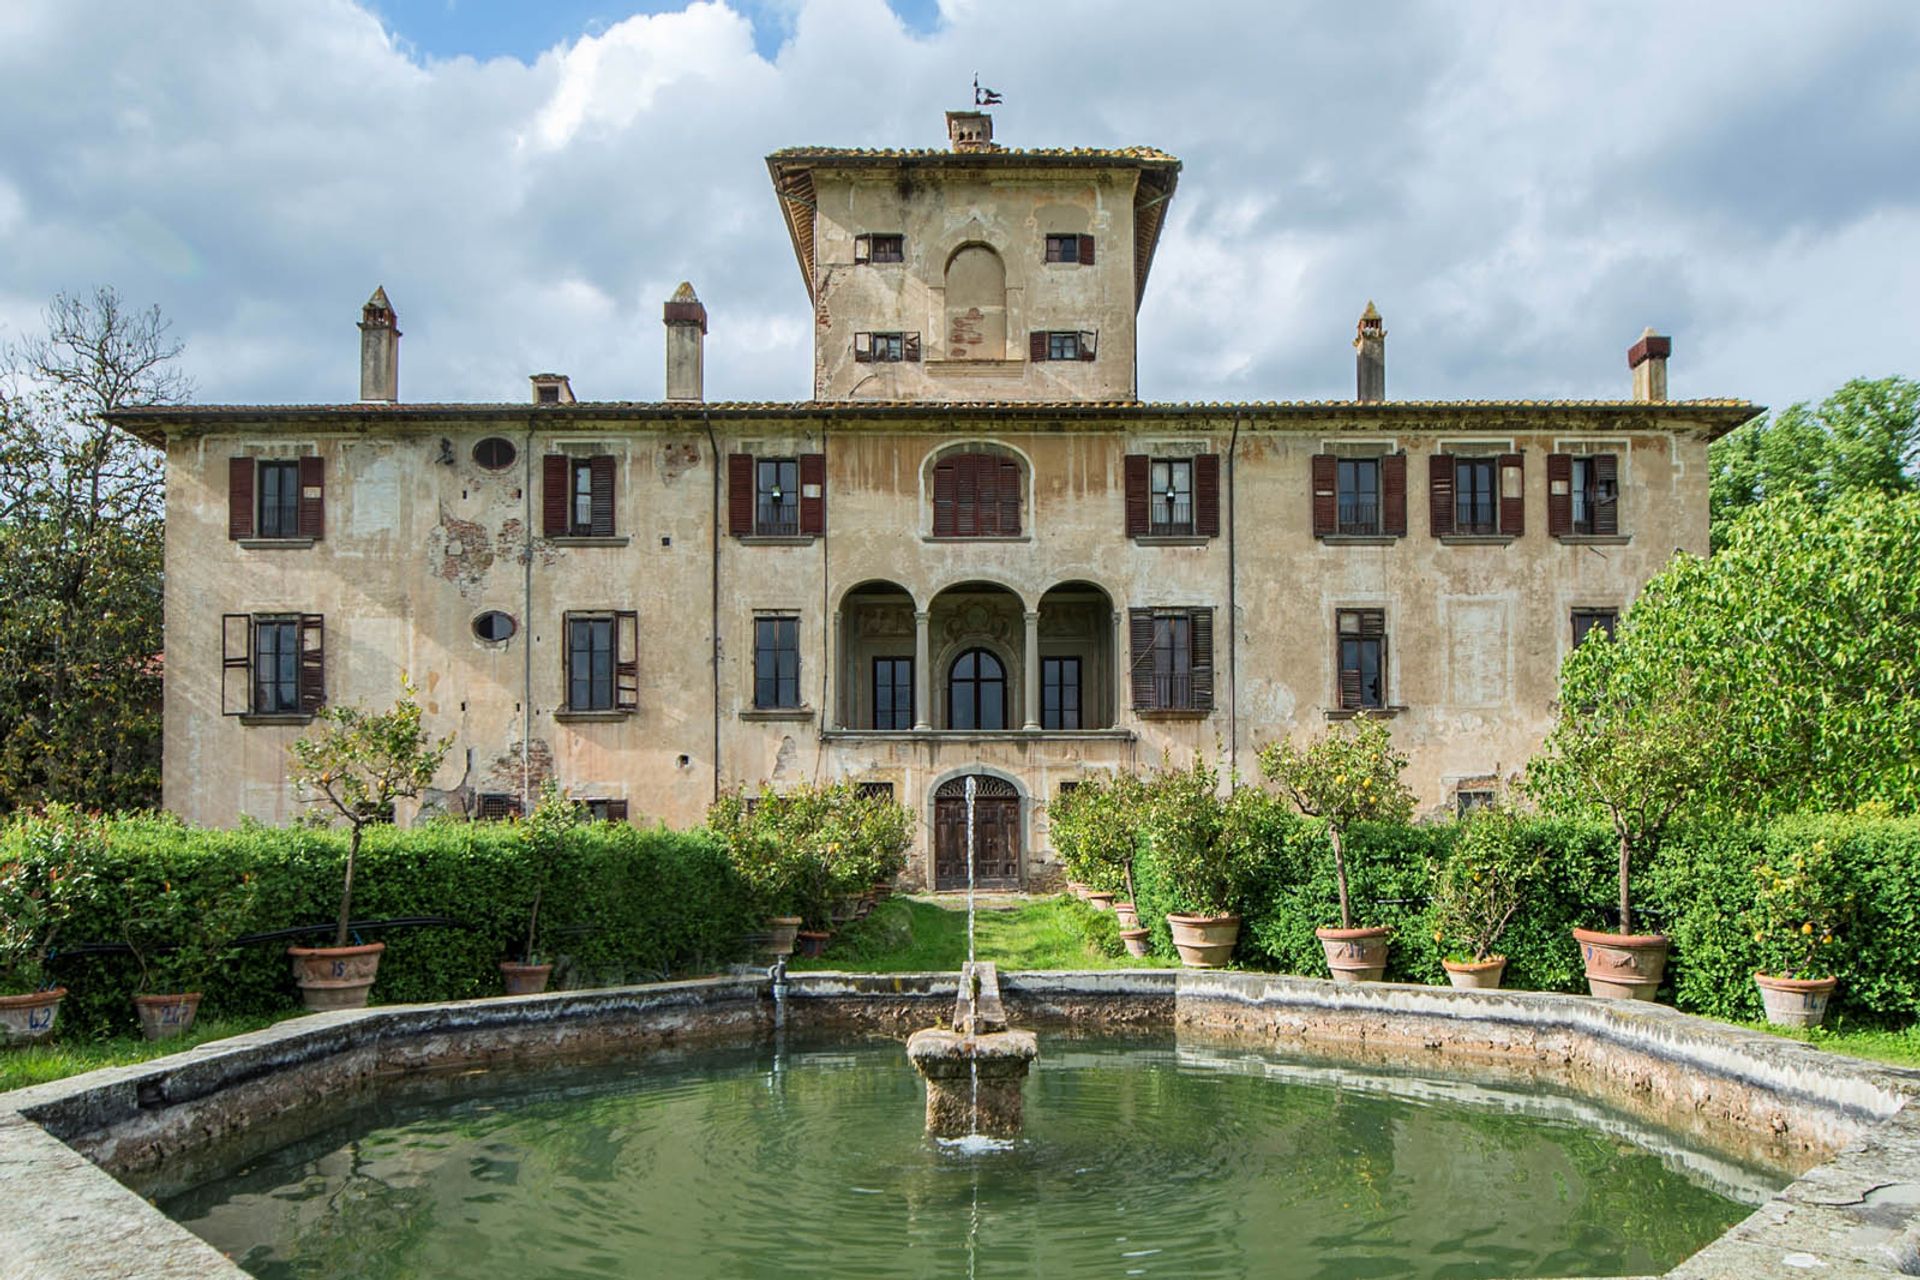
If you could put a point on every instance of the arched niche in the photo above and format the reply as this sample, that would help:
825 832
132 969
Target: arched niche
976 304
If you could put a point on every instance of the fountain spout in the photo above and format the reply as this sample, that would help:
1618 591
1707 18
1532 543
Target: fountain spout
975 1071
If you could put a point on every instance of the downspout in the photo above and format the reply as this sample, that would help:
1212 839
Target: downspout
826 610
713 595
526 624
1233 610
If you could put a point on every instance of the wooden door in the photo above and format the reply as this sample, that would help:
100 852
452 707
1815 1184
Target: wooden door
996 829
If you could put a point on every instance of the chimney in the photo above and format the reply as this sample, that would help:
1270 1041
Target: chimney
1370 366
551 388
686 322
970 131
379 350
1648 360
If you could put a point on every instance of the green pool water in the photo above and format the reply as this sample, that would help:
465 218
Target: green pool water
1137 1161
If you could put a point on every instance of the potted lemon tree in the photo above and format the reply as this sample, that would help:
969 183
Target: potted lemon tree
1095 828
1205 869
38 889
1477 889
1800 905
180 931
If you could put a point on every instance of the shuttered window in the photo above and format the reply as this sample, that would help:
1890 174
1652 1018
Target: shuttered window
279 484
276 498
1362 656
1359 497
602 661
1595 495
1172 497
776 497
1061 344
1588 621
885 348
1074 249
577 496
272 664
976 495
880 247
1476 503
776 504
1172 659
776 663
1477 495
605 810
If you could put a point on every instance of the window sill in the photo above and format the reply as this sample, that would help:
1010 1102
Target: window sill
575 540
775 539
1360 539
976 735
1172 713
993 537
564 716
777 713
277 544
1477 539
1172 539
278 717
1595 539
1372 713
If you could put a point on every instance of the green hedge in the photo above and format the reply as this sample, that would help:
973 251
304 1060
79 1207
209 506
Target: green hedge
625 904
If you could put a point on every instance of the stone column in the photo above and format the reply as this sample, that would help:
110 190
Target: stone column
1031 681
840 711
922 677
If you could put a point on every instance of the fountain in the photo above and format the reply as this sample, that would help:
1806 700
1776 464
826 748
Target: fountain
976 1070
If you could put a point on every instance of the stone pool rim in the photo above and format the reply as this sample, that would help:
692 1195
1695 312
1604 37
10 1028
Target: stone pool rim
1856 1213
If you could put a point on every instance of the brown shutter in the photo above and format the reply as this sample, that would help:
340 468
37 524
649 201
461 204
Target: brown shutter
1037 346
236 664
813 505
1326 484
863 348
946 497
313 662
966 495
1089 342
1136 471
1559 494
740 494
1086 251
554 474
616 811
1206 495
626 660
912 346
1010 486
239 497
1440 493
1140 657
1606 480
601 496
1393 495
1513 510
1202 659
312 516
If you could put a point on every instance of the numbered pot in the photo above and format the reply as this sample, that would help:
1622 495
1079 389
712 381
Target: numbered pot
335 977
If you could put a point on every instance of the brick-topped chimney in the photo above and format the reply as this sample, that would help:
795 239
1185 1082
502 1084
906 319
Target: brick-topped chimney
1370 364
551 388
379 349
686 321
970 131
1648 360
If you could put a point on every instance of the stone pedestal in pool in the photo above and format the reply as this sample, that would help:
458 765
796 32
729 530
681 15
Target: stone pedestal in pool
974 1072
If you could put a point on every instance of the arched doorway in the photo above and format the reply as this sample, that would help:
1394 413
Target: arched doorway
977 692
996 834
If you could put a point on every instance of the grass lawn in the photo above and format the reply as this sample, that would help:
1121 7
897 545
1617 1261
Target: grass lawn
1900 1048
55 1060
909 935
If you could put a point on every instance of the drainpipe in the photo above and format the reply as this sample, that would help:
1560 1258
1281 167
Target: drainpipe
713 594
826 611
1233 610
526 622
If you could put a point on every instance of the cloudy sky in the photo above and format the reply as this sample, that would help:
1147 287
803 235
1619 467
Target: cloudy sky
1521 186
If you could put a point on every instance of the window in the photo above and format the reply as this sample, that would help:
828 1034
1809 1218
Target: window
1595 495
1076 249
1363 658
880 247
885 348
1359 491
1587 621
1478 493
602 661
577 499
546 393
1061 344
1170 501
604 810
276 666
776 507
1466 802
893 693
279 500
976 495
495 453
276 499
776 663
1172 659
874 791
1060 693
1359 497
977 692
272 664
496 806
493 626
1476 505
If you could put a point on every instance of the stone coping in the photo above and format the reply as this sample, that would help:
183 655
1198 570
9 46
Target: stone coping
1853 1212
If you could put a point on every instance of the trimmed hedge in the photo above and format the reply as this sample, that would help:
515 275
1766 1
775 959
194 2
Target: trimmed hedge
625 904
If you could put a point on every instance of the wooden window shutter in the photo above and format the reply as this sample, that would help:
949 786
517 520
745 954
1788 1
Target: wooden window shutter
740 494
1513 494
236 664
313 662
1393 495
1559 494
1037 346
239 497
862 249
1606 480
1136 471
946 498
966 495
813 493
1009 495
863 348
601 496
626 660
1326 484
1140 658
616 811
1440 493
911 346
1086 251
1089 343
566 660
554 474
312 516
1206 495
1201 634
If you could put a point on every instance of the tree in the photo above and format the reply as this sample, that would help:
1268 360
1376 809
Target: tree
360 763
81 545
1096 827
1346 775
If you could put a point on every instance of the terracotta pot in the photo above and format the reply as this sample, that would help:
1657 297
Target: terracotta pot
1136 940
882 890
1795 1002
335 977
812 942
525 979
1204 942
780 935
1475 975
165 1016
1099 899
1355 955
1077 889
1622 966
27 1018
843 909
1126 915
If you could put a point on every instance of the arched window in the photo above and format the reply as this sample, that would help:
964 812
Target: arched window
976 305
977 692
976 495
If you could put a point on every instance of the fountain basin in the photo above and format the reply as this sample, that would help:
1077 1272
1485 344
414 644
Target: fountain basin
974 1082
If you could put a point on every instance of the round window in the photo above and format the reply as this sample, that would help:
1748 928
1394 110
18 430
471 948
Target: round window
495 453
493 626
